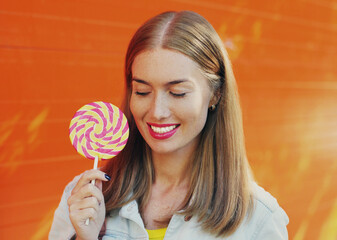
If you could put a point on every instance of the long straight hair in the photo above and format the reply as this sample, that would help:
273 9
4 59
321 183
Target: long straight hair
219 193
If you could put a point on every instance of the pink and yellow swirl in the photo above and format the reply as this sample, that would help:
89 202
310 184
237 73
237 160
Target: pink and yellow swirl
99 129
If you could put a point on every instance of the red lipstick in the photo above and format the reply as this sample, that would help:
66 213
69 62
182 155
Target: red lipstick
162 135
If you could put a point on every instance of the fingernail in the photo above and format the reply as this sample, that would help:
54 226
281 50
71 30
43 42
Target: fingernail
107 177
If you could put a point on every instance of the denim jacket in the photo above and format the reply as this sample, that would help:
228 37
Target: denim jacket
268 221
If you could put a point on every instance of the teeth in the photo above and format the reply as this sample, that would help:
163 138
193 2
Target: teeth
163 129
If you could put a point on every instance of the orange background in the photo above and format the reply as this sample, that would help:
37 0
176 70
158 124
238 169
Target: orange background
56 56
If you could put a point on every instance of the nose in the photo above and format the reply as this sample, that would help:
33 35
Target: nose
160 107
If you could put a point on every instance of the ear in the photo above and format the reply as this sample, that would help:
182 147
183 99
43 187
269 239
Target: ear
215 98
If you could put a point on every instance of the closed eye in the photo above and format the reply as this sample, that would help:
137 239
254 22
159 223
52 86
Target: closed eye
178 94
142 93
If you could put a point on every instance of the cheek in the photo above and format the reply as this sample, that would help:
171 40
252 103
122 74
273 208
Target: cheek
139 107
194 111
134 108
198 110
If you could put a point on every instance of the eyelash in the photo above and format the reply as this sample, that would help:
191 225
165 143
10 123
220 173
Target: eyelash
142 93
178 95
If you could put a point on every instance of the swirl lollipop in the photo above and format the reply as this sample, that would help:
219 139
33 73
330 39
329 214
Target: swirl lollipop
99 131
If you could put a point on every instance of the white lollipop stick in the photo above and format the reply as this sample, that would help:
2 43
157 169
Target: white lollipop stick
93 182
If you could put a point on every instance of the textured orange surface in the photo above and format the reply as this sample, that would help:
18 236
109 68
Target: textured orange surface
56 56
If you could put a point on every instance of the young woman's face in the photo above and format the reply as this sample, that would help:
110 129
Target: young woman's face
170 100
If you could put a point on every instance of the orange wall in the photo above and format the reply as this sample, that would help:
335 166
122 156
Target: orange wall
56 56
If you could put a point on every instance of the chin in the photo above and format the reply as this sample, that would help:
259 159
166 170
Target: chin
161 149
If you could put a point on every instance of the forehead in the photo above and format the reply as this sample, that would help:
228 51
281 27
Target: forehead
162 65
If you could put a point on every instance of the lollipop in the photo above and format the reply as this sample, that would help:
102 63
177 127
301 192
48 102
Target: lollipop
99 131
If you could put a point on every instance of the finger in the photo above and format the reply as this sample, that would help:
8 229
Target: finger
99 184
90 213
80 216
90 202
88 176
89 190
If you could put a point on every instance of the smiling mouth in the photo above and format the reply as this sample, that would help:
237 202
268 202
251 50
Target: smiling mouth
163 129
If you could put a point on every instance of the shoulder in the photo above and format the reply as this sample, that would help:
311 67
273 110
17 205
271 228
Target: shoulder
267 220
263 199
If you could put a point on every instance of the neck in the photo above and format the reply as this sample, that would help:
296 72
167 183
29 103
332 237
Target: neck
172 169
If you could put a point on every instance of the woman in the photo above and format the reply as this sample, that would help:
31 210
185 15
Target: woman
183 173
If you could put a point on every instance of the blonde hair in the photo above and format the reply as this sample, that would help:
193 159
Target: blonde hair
219 194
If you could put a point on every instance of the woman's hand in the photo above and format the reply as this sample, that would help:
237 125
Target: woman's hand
87 201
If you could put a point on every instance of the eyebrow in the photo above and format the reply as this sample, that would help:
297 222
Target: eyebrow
174 82
140 81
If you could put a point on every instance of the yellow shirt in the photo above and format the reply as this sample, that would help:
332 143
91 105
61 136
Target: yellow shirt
157 234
